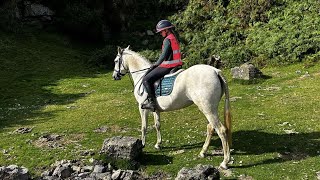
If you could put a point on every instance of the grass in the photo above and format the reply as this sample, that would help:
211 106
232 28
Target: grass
46 85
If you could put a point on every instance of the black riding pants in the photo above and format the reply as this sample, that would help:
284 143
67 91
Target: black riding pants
156 74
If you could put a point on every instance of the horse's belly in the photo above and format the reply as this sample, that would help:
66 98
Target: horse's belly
168 103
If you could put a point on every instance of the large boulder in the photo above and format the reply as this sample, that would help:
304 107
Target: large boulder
122 147
246 71
37 11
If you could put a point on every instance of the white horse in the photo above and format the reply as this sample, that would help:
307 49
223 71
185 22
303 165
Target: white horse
202 85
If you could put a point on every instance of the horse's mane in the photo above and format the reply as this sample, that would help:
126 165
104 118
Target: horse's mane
137 55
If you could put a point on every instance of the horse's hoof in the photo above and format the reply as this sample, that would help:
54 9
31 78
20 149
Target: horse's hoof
223 166
202 155
157 146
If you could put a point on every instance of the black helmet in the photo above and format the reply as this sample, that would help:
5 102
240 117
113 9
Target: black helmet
163 24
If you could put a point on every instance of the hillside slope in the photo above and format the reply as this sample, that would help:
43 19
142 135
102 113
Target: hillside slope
46 86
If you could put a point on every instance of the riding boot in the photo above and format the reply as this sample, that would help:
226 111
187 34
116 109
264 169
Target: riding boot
151 101
150 105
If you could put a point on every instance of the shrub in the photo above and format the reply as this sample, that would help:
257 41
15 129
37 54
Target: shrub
290 37
103 57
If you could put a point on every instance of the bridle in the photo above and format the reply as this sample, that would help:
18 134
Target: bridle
120 64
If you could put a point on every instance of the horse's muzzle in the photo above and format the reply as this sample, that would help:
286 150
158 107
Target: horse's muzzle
116 76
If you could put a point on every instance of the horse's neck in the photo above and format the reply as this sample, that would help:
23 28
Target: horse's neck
138 67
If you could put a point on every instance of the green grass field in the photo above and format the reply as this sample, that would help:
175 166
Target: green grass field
47 86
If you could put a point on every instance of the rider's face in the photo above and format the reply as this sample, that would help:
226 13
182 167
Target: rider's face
163 33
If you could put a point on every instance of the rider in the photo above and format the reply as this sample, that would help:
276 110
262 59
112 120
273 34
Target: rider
170 58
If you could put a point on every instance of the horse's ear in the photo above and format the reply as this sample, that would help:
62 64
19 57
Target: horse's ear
119 49
128 47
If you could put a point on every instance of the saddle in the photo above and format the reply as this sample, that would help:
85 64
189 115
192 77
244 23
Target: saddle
164 86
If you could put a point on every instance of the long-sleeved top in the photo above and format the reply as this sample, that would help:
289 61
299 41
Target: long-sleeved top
166 52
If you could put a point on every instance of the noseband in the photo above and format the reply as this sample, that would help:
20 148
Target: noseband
119 74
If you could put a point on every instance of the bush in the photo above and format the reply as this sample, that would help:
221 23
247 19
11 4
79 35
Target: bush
274 32
104 57
290 37
81 21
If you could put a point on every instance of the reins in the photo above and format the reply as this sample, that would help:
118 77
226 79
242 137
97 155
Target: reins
128 71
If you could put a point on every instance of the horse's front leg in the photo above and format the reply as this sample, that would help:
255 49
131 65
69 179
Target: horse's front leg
156 116
144 124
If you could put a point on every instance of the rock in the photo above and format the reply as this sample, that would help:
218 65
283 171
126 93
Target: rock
99 169
64 171
14 172
150 33
86 169
125 175
200 172
101 129
23 130
246 71
245 177
102 176
36 10
122 147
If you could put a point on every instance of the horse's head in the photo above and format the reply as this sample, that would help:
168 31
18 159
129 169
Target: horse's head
120 68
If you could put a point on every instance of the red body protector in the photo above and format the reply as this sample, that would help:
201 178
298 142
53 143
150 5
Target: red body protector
176 58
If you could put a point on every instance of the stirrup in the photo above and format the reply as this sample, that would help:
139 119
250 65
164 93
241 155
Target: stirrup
150 105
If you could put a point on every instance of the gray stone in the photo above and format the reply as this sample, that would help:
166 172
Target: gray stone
62 171
116 174
84 174
102 176
86 169
246 71
14 172
200 172
37 10
122 147
99 169
125 175
23 130
150 33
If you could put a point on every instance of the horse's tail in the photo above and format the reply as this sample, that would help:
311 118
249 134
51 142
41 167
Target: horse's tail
227 111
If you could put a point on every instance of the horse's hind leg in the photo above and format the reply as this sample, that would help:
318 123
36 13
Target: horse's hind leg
207 142
214 123
222 133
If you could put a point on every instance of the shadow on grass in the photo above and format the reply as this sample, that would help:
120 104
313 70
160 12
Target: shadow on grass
252 81
287 147
186 146
155 159
31 66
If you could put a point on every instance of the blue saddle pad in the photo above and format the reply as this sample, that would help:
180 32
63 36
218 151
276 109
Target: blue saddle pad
165 86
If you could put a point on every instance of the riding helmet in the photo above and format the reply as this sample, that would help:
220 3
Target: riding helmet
163 24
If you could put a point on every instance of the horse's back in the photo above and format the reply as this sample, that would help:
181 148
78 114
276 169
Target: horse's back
201 75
